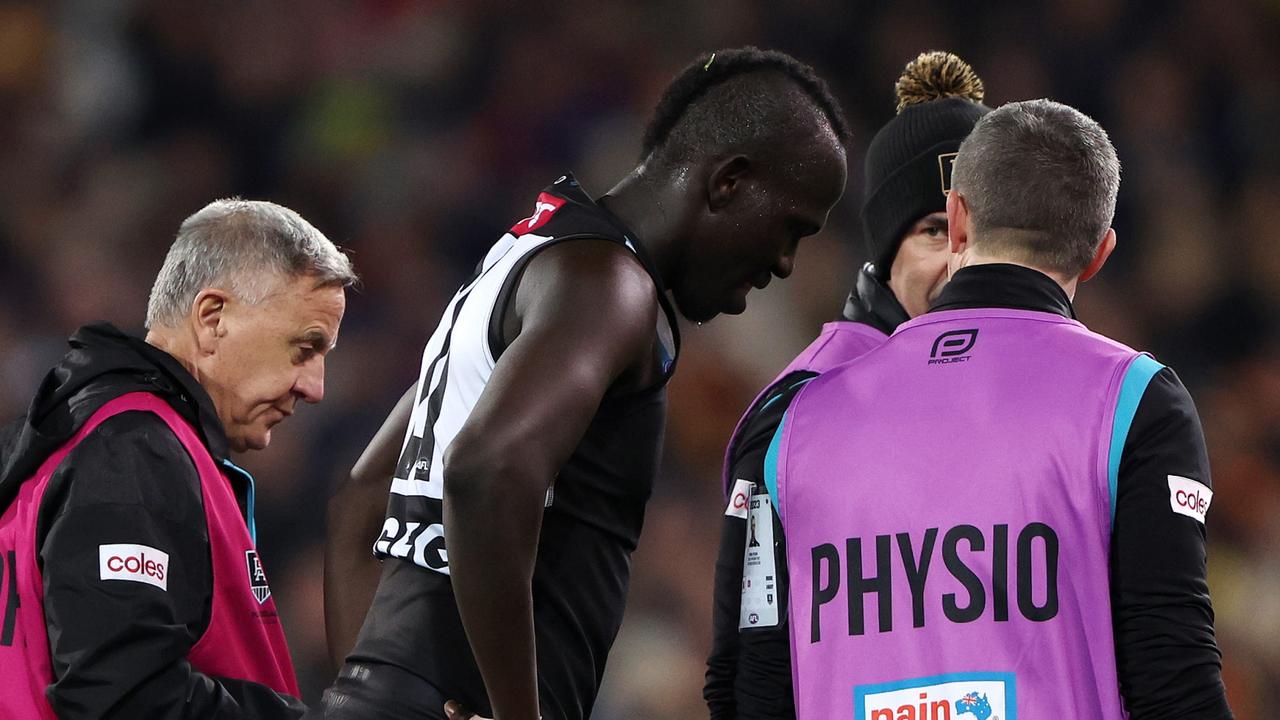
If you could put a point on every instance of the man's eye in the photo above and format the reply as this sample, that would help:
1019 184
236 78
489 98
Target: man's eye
935 231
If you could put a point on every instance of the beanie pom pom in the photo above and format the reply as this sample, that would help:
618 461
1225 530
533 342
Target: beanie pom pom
935 75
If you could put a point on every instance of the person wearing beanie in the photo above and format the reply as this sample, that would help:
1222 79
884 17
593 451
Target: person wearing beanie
907 174
907 177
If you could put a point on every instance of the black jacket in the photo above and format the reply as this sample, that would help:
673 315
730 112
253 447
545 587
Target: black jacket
871 302
121 653
1166 654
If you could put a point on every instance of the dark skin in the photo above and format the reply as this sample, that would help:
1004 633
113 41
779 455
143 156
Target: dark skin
714 228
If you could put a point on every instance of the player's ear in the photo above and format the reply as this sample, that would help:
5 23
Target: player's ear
957 222
1100 255
206 318
726 180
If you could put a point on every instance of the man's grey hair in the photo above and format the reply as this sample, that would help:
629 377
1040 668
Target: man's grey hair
1040 179
246 247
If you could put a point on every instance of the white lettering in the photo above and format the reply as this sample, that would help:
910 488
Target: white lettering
390 529
401 548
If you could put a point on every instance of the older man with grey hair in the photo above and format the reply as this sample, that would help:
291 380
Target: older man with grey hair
130 583
998 512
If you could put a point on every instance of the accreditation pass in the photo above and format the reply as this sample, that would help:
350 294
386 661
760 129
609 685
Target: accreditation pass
759 606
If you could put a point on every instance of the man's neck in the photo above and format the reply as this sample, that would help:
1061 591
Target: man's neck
172 341
971 257
653 209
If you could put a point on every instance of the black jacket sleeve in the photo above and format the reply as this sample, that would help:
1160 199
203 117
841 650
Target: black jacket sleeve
722 664
1168 660
119 646
749 670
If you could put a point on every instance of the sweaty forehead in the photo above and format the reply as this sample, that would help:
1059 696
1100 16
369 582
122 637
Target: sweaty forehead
813 170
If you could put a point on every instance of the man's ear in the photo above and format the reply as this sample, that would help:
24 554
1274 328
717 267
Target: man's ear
957 222
207 318
1100 255
726 180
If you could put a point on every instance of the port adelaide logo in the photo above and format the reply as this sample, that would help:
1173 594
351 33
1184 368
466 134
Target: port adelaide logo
257 577
953 347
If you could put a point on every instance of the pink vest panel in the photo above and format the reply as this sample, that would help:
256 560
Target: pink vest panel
244 639
839 342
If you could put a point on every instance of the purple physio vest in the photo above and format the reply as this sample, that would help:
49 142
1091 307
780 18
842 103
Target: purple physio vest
839 342
947 507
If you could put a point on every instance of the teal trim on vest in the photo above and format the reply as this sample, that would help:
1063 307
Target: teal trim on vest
1136 379
248 505
771 457
783 394
771 464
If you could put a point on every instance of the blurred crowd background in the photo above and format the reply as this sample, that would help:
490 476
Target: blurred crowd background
414 133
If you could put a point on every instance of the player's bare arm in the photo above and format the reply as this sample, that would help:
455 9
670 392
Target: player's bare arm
355 515
585 314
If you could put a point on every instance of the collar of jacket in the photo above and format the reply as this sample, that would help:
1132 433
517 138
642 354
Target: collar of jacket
1001 285
114 363
871 302
102 364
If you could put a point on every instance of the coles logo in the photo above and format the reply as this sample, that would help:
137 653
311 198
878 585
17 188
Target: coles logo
739 499
1189 497
136 563
543 209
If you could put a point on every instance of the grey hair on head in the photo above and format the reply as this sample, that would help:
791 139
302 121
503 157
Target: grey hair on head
1040 179
246 247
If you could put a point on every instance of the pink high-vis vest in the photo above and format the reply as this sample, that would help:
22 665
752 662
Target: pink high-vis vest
244 639
839 342
947 503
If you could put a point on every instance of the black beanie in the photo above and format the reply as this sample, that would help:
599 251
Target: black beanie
908 164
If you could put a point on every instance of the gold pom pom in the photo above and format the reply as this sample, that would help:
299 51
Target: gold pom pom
935 75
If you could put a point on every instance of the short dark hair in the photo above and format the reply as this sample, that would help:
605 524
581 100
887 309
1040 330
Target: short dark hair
708 104
1041 180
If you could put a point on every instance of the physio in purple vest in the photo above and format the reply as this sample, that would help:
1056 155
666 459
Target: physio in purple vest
907 173
997 512
130 585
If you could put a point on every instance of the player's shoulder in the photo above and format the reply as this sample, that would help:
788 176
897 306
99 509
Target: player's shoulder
565 210
591 275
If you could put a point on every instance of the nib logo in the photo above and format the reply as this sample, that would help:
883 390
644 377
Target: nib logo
958 696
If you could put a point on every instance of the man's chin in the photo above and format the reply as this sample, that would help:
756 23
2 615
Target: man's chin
697 313
256 441
702 316
735 306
